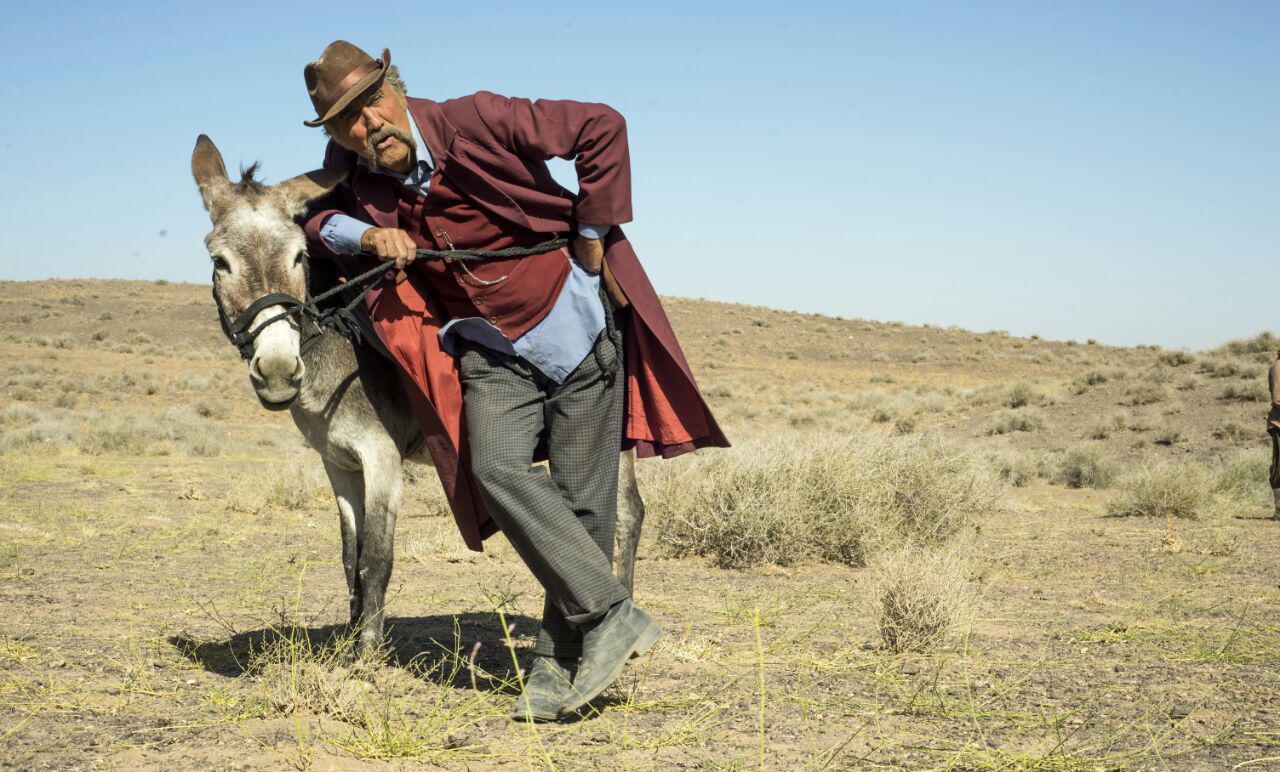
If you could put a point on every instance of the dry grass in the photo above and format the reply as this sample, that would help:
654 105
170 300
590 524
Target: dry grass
296 484
1014 420
1086 468
1170 489
825 498
923 596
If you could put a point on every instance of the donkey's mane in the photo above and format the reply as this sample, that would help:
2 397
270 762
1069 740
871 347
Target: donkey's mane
248 183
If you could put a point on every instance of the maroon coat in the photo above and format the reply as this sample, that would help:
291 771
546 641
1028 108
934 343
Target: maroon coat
494 149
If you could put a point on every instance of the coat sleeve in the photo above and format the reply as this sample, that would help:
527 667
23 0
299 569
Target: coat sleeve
593 136
322 208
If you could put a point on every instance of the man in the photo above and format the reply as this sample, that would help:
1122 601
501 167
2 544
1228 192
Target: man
512 360
1273 429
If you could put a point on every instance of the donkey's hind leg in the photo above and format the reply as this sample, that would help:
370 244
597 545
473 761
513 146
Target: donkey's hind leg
626 536
348 489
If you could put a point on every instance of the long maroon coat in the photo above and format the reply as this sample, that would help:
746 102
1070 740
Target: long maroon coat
494 149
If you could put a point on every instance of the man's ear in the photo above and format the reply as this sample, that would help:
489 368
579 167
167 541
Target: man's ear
209 170
305 188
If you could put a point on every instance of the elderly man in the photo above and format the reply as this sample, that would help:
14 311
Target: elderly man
512 360
1273 429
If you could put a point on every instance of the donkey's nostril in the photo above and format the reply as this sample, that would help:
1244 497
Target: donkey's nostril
255 369
297 372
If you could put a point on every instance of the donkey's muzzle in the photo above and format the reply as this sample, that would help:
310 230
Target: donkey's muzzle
276 380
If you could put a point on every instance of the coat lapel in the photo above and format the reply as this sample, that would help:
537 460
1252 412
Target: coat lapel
461 159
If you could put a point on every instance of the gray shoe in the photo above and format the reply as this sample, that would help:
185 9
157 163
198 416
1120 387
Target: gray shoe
547 686
625 632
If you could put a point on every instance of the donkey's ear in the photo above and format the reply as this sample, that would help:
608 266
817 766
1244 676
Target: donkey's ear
305 188
209 170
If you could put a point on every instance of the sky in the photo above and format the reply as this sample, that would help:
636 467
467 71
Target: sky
1073 170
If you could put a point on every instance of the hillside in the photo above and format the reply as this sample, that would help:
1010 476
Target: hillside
173 595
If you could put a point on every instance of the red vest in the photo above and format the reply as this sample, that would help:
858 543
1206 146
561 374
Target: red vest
513 294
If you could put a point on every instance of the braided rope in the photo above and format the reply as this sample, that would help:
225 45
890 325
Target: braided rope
342 318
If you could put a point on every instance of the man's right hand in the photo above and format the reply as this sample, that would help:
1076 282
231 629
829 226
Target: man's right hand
390 244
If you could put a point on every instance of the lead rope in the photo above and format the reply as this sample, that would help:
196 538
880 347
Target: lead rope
342 318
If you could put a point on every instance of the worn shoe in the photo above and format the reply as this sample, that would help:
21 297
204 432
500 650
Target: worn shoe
625 632
547 686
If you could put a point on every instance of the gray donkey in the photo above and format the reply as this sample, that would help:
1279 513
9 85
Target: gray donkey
345 397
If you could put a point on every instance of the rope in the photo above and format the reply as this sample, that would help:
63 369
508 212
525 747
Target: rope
343 318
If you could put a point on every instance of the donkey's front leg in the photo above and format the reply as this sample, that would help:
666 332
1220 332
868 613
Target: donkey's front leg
383 487
348 489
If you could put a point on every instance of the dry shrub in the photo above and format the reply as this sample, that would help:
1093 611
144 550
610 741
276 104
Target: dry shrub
1086 468
1022 394
1247 391
295 485
423 493
924 596
1181 490
827 498
1015 468
303 672
1014 420
1143 393
1263 345
1175 358
23 427
1243 479
137 434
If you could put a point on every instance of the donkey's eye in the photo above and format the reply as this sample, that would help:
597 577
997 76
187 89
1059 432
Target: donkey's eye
220 264
298 258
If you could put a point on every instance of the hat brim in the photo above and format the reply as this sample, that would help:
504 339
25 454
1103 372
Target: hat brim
359 87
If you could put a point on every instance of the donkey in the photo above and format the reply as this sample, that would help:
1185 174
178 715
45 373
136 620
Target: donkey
344 396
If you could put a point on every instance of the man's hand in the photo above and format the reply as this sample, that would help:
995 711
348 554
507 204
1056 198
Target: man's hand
589 253
390 244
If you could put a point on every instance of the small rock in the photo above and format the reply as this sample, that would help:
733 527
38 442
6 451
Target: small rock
1118 668
910 668
1180 710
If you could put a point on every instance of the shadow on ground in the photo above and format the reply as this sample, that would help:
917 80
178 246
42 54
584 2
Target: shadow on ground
428 647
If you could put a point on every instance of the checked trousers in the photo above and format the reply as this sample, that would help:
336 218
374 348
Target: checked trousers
560 518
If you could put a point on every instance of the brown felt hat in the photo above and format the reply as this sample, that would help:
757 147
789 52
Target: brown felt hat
342 73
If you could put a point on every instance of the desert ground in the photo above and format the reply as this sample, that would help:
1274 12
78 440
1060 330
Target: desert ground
1087 525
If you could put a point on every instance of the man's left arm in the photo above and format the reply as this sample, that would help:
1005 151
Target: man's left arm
593 136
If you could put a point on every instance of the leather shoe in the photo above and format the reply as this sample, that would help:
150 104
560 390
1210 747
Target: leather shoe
624 632
547 686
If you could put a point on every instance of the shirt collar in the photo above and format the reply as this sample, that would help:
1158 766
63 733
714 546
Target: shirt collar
422 151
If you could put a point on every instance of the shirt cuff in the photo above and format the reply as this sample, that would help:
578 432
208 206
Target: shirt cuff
593 231
342 233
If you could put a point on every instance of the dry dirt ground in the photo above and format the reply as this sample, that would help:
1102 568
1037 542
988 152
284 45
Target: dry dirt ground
172 595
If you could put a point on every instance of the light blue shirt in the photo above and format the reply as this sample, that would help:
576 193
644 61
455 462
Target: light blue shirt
556 345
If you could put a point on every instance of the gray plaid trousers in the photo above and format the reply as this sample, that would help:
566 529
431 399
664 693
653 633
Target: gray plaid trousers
560 519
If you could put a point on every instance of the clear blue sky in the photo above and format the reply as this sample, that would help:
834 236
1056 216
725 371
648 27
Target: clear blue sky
1104 170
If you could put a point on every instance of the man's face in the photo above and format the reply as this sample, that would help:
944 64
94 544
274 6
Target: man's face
377 127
